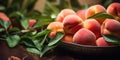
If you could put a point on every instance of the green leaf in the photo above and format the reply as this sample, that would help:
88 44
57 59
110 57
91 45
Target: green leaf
25 23
101 15
2 29
6 24
20 14
46 48
28 42
17 14
58 37
40 43
33 50
1 22
37 44
40 24
44 39
13 40
112 39
14 30
44 32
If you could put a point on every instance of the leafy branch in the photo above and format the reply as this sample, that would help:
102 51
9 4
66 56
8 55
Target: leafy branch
35 41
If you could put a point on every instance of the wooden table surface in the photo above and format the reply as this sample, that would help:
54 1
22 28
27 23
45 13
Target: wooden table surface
19 53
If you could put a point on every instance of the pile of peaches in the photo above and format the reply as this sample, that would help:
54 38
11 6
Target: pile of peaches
80 29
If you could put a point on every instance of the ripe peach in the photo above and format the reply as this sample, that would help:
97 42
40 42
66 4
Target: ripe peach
81 14
93 10
32 22
114 9
55 27
111 26
93 25
68 38
85 37
72 23
101 42
4 16
63 14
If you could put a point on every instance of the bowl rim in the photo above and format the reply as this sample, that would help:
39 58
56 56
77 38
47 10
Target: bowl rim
88 46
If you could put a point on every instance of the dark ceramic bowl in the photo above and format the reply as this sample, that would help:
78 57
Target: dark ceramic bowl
87 49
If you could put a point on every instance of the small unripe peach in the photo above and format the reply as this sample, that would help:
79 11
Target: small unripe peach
63 14
72 23
93 25
85 37
32 22
52 34
101 42
4 16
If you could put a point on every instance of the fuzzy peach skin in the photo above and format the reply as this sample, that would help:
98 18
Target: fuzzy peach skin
55 27
68 38
4 16
32 22
81 14
94 26
114 10
101 42
85 37
93 10
63 13
111 26
72 23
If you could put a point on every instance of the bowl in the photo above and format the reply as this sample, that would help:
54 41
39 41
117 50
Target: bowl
87 49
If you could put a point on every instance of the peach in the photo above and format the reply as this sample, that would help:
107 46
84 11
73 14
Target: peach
93 10
72 23
94 26
85 37
111 26
68 38
63 13
55 27
101 42
52 34
114 10
32 22
4 16
81 14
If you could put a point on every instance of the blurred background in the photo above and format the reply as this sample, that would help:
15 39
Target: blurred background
46 9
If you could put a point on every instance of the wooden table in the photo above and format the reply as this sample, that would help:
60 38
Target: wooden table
19 53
